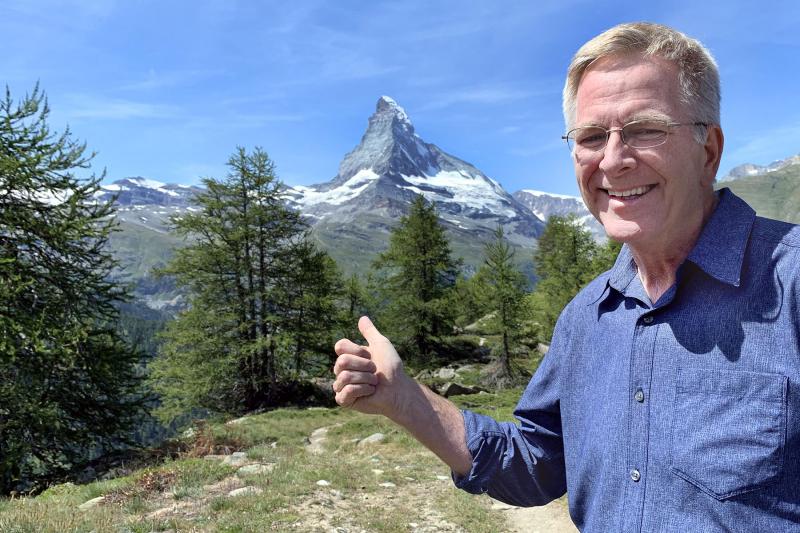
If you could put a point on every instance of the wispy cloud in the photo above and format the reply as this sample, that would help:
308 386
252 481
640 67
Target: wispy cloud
154 79
766 146
84 106
476 95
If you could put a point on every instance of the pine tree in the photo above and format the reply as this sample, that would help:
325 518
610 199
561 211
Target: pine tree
567 258
419 273
69 384
255 288
506 292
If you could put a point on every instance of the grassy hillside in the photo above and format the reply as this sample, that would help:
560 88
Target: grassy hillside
773 195
295 478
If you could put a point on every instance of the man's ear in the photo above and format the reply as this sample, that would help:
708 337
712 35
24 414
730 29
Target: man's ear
715 141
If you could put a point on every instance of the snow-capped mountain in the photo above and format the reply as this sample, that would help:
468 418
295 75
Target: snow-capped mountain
545 204
391 165
749 169
146 202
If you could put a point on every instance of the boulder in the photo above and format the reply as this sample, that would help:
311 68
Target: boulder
453 389
375 438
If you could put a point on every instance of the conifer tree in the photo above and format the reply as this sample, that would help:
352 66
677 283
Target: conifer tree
567 258
68 382
256 288
419 273
506 292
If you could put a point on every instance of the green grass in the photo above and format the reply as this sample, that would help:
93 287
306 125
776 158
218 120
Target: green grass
290 497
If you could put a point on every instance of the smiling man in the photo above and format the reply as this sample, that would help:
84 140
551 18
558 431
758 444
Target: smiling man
669 398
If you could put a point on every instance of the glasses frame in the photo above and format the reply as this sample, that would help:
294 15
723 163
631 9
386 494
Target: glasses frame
667 123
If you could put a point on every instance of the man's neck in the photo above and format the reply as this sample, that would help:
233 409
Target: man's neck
658 263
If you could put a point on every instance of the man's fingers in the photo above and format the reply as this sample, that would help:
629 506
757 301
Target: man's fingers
348 377
369 331
352 362
348 346
348 396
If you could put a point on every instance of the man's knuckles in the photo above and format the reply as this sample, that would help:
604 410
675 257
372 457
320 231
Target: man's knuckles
349 361
350 393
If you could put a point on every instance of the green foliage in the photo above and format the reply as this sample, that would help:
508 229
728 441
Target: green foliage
505 291
418 275
262 298
68 382
566 260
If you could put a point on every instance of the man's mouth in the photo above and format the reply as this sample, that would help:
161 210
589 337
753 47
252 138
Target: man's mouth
630 194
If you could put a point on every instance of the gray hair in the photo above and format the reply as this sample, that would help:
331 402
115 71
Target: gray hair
698 75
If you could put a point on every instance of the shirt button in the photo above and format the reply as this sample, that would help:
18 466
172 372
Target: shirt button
648 319
635 475
639 396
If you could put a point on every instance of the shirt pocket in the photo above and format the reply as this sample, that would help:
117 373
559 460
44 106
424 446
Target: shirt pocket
729 429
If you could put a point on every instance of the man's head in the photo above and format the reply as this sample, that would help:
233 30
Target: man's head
630 86
698 75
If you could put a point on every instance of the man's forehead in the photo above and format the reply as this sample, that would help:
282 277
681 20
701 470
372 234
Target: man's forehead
628 87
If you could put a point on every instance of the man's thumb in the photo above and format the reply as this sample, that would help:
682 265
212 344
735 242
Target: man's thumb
368 330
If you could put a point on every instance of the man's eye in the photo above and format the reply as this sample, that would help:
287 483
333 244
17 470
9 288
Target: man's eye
645 131
592 138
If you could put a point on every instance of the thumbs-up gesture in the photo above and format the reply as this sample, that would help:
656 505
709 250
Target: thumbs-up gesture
369 378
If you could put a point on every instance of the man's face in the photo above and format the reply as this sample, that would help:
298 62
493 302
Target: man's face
647 197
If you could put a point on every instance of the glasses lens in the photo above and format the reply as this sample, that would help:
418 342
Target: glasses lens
645 133
590 138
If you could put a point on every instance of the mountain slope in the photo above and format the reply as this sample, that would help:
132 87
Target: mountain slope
545 204
773 193
353 213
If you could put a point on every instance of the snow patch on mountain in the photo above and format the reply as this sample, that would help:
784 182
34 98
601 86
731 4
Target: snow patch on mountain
533 192
350 189
472 192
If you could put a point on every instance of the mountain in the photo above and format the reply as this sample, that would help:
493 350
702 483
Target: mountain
545 204
774 191
749 169
353 213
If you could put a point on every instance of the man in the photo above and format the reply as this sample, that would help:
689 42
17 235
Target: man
669 398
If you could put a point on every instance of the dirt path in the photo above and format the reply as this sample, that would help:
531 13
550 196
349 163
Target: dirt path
550 518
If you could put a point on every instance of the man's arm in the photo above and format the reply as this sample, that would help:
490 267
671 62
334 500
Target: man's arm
371 379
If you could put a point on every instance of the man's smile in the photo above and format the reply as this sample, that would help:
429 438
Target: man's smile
629 194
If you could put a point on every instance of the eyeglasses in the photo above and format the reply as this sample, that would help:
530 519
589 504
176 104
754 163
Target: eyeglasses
636 134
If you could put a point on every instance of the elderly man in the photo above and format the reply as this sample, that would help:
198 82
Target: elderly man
669 398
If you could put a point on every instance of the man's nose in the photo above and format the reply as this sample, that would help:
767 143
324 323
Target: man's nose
617 156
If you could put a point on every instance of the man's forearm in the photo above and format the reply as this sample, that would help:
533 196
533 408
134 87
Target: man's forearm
437 423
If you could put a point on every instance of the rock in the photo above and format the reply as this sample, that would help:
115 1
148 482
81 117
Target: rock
387 485
481 341
251 470
323 482
443 478
236 421
424 375
451 389
94 502
375 438
214 457
445 373
316 441
377 472
542 348
160 513
236 459
245 491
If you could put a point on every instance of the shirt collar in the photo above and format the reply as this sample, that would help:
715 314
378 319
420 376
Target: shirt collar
719 251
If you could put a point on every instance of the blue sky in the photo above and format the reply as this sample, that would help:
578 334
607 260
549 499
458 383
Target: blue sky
167 90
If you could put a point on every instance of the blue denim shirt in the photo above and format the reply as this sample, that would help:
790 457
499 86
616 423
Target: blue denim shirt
683 415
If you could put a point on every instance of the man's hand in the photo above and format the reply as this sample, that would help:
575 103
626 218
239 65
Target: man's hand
369 378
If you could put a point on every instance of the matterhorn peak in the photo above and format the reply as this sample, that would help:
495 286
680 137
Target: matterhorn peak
387 105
